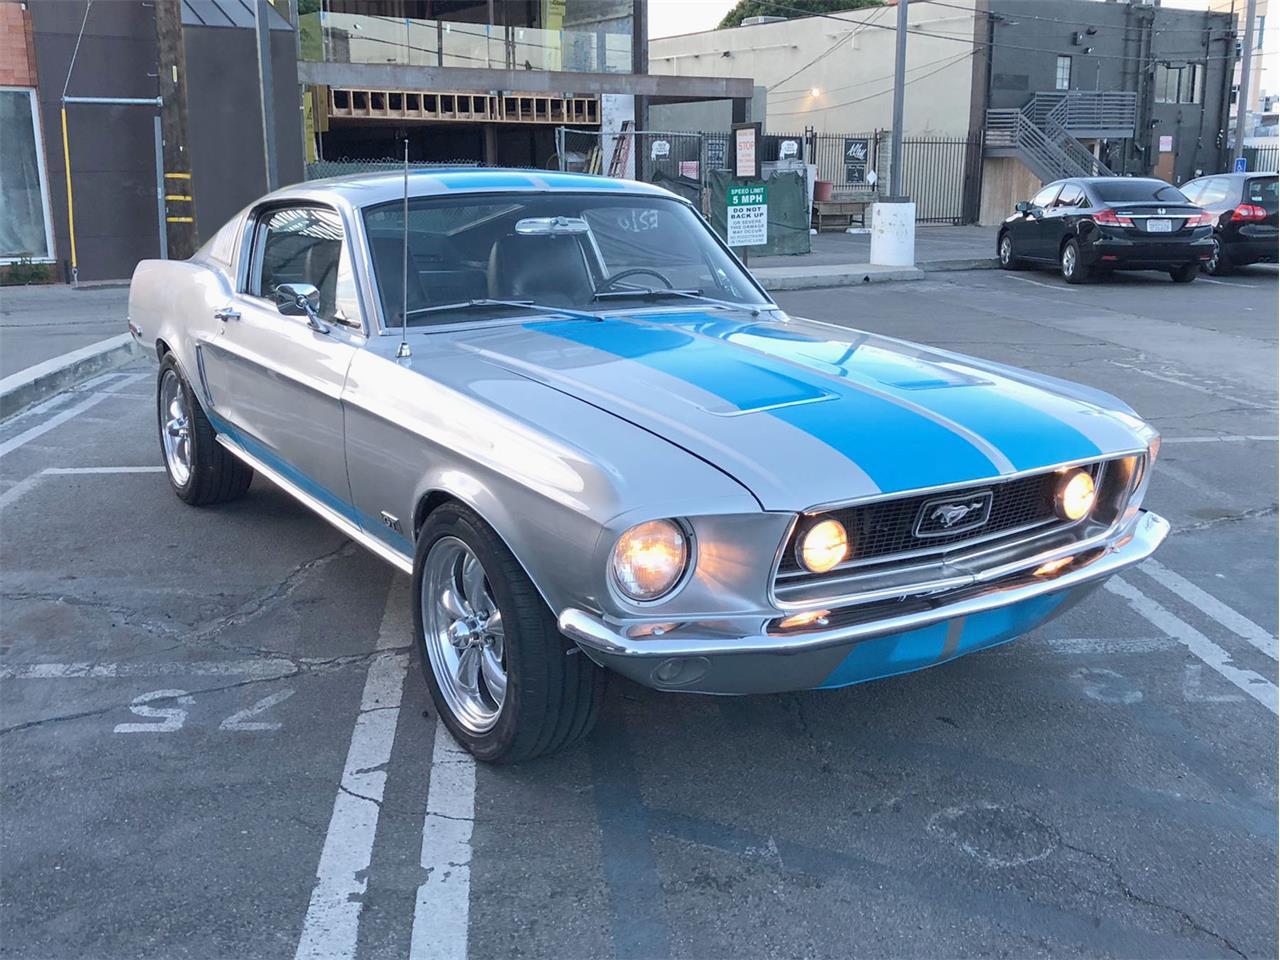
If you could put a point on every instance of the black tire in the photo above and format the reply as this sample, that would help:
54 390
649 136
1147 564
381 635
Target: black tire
1069 265
1185 273
1004 253
554 691
1220 264
215 475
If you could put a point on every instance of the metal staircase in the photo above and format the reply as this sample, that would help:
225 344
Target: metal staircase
1044 132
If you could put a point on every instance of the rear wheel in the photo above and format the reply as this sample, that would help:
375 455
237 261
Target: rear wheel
1004 250
1073 271
200 470
1219 263
504 680
1185 273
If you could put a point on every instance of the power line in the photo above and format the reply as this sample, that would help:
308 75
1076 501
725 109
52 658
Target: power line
830 50
992 43
879 93
889 76
1016 17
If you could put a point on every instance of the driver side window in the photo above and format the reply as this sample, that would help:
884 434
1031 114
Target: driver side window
305 245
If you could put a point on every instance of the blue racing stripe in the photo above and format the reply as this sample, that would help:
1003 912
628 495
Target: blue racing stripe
1027 436
896 448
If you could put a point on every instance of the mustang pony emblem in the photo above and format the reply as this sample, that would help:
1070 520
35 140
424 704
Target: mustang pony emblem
949 514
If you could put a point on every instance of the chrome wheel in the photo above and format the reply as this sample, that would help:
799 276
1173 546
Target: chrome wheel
175 432
1006 250
1211 265
465 638
1069 261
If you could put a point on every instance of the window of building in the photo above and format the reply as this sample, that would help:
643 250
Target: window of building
25 225
1062 80
1180 84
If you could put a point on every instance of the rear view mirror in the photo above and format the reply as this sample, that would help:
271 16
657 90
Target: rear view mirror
551 226
1022 206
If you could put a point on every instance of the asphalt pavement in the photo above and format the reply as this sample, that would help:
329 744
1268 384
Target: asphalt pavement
214 742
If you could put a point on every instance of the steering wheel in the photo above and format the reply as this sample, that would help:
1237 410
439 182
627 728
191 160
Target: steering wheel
610 282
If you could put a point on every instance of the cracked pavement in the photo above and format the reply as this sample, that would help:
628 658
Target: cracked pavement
1092 789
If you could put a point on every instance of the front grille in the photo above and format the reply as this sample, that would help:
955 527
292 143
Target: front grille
904 531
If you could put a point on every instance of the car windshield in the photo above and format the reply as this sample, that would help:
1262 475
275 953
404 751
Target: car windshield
582 251
1122 190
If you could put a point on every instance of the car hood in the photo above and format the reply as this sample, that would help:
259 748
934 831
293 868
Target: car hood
804 413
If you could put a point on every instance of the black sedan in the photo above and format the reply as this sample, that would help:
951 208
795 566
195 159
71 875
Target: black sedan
1095 224
1243 207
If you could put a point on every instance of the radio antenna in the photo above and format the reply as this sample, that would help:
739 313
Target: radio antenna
403 352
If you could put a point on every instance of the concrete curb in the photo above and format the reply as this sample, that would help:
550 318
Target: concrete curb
847 275
34 384
968 263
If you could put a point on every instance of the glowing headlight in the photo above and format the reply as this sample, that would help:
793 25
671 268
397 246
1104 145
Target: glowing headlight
649 559
823 546
1076 495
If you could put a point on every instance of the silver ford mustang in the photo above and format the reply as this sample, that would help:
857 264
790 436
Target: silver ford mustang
563 406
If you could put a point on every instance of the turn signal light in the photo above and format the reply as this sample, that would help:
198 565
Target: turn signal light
1247 212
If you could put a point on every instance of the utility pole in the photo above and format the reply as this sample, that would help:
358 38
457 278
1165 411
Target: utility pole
899 78
1242 95
262 25
179 194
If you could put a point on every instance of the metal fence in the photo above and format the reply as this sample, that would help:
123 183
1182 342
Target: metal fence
943 175
1262 158
319 169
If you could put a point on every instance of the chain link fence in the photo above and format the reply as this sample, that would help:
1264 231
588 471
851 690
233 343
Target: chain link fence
319 169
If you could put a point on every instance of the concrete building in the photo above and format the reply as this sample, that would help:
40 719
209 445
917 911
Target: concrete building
192 65
1056 87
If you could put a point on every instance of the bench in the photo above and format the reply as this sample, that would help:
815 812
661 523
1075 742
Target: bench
839 213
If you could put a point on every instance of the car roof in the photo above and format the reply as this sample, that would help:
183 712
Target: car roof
1247 175
366 189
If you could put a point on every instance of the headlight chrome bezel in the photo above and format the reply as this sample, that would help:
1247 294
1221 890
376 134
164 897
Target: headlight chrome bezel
677 583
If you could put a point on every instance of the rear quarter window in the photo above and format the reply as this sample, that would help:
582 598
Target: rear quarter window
1262 191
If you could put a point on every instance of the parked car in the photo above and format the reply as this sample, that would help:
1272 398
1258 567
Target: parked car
1243 211
1089 225
565 409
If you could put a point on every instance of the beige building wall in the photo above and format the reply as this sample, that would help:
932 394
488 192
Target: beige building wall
849 86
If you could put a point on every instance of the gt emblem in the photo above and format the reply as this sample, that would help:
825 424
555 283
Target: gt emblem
944 516
390 522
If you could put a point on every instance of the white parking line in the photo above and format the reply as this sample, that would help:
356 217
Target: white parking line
265 667
1212 607
332 923
1246 438
26 436
441 912
1047 286
22 487
1255 685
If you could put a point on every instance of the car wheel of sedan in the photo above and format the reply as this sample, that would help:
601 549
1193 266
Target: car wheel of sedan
1073 271
504 680
1004 250
1219 264
1185 273
199 469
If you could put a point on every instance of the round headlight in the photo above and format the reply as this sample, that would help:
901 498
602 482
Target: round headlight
649 559
1076 495
823 546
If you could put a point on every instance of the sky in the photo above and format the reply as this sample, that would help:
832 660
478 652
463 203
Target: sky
670 17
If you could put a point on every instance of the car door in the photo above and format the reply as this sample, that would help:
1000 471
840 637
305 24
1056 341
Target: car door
275 383
1031 239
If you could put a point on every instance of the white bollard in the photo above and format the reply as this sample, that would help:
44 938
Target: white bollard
893 234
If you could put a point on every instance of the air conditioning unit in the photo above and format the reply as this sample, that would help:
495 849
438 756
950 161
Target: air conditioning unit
755 21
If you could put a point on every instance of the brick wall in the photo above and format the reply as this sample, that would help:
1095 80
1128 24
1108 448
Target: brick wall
17 54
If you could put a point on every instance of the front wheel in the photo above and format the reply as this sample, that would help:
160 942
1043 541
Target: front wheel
504 680
1004 250
1073 271
1185 273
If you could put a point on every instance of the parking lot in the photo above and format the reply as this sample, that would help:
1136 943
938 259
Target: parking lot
216 743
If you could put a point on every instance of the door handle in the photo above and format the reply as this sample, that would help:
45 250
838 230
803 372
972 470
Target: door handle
226 313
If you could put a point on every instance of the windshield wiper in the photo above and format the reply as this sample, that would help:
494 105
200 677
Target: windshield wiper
655 293
487 302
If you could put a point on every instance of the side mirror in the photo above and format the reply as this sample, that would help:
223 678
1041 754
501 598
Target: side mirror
301 300
1022 206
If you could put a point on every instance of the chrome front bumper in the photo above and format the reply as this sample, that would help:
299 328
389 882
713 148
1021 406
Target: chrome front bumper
739 656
